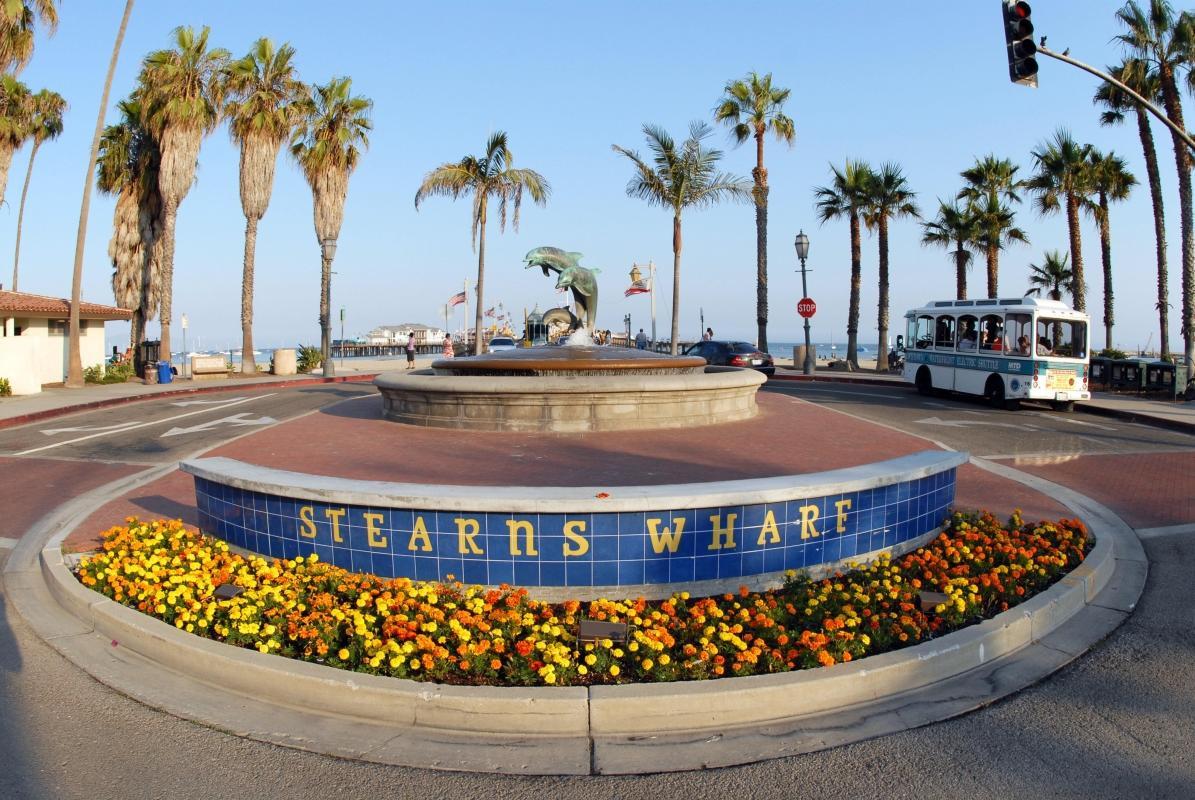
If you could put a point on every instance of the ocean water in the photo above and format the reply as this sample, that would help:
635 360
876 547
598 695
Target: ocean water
825 350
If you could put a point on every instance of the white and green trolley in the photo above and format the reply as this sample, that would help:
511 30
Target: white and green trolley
1006 350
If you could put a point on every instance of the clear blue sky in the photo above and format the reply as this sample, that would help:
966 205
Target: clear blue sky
869 80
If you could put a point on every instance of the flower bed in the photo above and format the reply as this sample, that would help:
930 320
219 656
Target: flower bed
452 633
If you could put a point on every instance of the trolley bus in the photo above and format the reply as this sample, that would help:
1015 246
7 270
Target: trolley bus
1005 350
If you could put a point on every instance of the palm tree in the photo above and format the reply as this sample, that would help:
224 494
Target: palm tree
753 107
846 196
46 123
74 373
182 101
264 91
1167 43
989 182
16 117
1111 181
684 177
1137 75
955 226
18 19
888 197
1053 276
1063 174
490 175
331 133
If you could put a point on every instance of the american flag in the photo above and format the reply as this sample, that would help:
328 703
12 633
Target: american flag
490 311
638 287
456 299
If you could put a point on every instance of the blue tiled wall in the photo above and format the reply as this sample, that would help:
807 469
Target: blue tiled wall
603 550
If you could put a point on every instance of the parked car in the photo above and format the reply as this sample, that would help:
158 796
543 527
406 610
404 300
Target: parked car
733 354
500 343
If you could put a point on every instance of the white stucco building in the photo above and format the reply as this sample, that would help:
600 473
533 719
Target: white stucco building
34 342
398 333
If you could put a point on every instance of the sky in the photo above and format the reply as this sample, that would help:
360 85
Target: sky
870 79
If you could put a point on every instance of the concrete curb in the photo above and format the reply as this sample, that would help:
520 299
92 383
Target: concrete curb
842 379
50 413
1134 416
607 730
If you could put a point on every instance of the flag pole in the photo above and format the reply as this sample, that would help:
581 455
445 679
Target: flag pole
651 271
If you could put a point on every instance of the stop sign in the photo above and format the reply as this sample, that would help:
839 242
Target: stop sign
806 308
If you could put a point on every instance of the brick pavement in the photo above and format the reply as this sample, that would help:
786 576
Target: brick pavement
29 487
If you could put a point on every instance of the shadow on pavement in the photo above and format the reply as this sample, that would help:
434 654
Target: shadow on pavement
161 506
16 767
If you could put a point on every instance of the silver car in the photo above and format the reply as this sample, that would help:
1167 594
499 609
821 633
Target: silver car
500 343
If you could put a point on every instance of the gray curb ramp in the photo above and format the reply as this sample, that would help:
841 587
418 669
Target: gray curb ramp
638 728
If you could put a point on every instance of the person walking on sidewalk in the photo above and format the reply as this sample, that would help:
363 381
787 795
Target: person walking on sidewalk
411 351
448 351
708 336
641 340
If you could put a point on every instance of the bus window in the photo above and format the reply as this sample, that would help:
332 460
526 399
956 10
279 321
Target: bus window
944 333
1018 335
925 332
1063 338
991 337
968 333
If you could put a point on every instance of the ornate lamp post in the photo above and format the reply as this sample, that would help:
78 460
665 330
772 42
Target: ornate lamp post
329 252
802 245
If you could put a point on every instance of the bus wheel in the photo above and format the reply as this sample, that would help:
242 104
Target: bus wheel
1065 406
994 392
925 383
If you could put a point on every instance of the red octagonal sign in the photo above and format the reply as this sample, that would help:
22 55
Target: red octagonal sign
806 308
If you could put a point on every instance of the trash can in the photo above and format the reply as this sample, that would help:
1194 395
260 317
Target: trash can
164 373
150 373
147 354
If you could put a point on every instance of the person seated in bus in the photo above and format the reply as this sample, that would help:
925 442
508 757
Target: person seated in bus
1044 346
1023 345
992 340
968 341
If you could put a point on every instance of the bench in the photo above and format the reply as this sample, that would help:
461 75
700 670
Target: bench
204 368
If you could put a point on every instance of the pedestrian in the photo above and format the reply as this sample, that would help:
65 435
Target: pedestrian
410 351
641 340
448 351
708 336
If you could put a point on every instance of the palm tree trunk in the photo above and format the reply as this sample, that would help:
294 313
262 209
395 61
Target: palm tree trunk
7 151
248 363
761 267
1079 292
16 252
993 256
1155 193
852 322
325 313
960 272
74 375
166 307
882 319
676 248
1106 256
477 318
1182 158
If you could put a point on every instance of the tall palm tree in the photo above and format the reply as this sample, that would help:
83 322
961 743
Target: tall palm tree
846 196
45 124
1111 182
752 107
16 117
991 174
684 177
264 91
1167 43
888 197
1137 75
1063 175
331 133
18 18
74 373
955 226
182 101
1053 276
492 174
996 229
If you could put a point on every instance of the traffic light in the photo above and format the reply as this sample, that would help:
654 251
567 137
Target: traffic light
1018 35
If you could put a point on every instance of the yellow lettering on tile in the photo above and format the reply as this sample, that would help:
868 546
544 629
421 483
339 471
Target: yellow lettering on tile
335 514
722 537
307 529
466 529
372 530
769 533
808 517
842 506
669 537
521 526
419 533
577 544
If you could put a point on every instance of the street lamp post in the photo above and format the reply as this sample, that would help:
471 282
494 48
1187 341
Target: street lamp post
187 358
329 253
802 245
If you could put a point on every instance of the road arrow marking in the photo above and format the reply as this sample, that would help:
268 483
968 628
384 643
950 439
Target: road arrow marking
964 423
236 421
83 428
182 403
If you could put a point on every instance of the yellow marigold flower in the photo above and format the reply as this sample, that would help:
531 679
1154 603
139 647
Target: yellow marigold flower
590 659
342 654
647 664
614 670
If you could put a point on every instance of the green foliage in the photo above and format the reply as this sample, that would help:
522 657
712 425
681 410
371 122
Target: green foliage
5 388
94 374
115 373
1112 352
308 358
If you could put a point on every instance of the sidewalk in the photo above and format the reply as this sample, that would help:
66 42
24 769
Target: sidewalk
1178 416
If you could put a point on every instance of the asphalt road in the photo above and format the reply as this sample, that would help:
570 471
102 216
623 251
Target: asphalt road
1117 723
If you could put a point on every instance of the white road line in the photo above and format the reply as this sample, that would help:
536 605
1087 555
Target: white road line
205 402
1169 530
146 424
848 391
7 544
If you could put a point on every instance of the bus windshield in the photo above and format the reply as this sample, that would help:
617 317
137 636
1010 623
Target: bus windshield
1062 338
